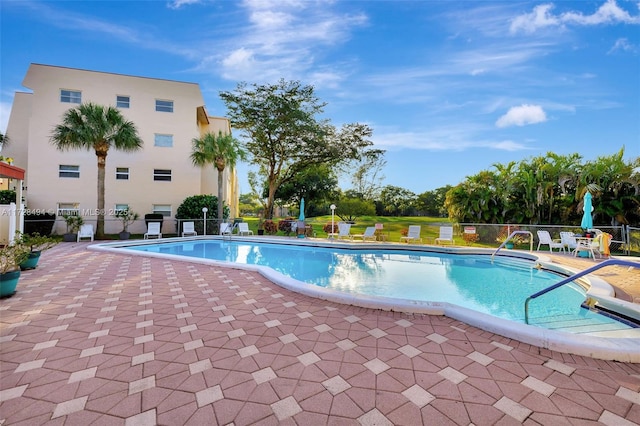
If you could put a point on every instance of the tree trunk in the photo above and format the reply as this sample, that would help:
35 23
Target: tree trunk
220 210
100 221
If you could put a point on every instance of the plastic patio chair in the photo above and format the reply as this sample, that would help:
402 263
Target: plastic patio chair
153 231
544 238
369 234
86 231
413 234
188 228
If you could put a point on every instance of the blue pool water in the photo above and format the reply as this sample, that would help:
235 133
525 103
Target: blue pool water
497 287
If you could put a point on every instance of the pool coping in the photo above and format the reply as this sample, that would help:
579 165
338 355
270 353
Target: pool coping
624 349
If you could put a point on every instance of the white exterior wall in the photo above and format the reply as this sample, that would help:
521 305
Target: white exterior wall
34 152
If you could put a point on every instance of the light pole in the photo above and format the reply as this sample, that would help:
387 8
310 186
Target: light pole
333 210
204 212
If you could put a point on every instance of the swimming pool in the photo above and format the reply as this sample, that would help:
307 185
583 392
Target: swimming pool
496 287
620 345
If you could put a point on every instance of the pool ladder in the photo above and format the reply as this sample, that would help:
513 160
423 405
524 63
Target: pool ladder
609 262
513 234
227 236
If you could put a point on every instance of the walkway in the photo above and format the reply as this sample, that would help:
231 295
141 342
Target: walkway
104 339
625 280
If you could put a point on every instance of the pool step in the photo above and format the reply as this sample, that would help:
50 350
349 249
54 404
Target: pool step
580 324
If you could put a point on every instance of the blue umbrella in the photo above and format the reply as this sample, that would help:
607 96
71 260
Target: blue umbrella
301 210
587 220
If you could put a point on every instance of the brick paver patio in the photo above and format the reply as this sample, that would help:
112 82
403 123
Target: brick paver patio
105 339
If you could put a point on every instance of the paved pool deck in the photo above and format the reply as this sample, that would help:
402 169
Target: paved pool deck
107 339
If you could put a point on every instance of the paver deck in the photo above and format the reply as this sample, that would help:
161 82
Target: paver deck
106 339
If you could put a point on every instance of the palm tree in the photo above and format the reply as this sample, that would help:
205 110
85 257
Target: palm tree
219 150
98 128
4 140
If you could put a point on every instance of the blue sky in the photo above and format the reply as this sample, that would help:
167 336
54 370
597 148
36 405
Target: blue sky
449 88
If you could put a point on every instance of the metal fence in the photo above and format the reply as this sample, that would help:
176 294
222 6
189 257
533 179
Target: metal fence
114 226
625 238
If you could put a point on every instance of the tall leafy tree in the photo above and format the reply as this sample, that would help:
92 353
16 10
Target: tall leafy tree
284 135
317 184
95 127
432 203
396 201
367 176
550 189
221 150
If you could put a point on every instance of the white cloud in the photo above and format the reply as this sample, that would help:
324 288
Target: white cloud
541 17
177 4
444 138
284 38
608 13
522 115
624 45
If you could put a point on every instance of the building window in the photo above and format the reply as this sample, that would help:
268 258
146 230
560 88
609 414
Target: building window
123 101
162 174
70 96
122 173
121 207
68 209
163 209
67 171
163 140
164 106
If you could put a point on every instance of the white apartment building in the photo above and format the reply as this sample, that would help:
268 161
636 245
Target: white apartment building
168 115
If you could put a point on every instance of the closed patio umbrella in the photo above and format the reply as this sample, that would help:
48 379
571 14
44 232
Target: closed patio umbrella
301 217
587 219
301 226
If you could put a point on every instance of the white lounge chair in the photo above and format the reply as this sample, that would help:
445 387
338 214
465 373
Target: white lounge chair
188 228
85 231
369 234
243 229
568 240
544 239
344 231
446 235
226 228
413 234
153 231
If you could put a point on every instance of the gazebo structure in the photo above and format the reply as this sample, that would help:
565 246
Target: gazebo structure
11 217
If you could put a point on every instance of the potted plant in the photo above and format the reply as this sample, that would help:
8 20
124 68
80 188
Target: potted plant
504 234
260 226
74 222
11 256
37 244
127 217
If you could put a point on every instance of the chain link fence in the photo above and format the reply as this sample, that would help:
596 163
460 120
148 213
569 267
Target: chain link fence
625 238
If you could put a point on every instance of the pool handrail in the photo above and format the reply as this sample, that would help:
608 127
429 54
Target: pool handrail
511 236
609 262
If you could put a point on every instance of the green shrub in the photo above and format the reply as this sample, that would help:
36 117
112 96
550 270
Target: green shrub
191 208
7 196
